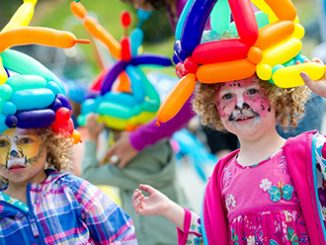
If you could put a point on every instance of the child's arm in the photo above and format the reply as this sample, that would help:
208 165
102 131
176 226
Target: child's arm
155 203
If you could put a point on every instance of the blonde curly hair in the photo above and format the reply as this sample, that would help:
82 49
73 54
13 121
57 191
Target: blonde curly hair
289 104
59 149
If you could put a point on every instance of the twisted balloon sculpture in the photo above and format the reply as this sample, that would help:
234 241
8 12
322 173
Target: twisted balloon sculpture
31 96
268 44
126 98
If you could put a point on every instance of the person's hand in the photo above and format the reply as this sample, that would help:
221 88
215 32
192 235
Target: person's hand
93 127
121 152
318 87
155 203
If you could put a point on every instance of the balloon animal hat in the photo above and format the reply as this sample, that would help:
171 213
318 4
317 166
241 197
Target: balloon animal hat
126 98
269 45
31 96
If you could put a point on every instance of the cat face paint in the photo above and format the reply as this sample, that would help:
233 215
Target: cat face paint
240 101
19 147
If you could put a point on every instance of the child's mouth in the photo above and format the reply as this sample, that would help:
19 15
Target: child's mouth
243 118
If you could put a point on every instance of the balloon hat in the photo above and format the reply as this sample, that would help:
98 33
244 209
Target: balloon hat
31 96
126 98
268 44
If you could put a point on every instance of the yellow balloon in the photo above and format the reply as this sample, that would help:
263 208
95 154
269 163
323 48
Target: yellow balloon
264 71
289 77
22 16
298 31
282 52
263 6
3 73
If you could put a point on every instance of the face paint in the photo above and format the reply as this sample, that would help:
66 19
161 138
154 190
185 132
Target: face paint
19 147
241 100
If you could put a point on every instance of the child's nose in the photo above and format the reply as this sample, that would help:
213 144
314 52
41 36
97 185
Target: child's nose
240 101
14 153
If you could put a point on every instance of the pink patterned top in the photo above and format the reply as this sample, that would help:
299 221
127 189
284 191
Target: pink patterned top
262 204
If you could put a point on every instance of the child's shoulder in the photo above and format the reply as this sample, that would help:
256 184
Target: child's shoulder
62 179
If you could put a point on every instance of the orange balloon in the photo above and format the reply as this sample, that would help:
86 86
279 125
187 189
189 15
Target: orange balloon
177 98
38 35
124 83
95 29
274 33
255 55
98 31
78 9
225 71
284 9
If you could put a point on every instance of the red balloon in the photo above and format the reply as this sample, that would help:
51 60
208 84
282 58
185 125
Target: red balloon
125 19
125 49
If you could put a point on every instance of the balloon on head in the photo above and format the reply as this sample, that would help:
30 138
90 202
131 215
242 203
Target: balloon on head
31 96
268 43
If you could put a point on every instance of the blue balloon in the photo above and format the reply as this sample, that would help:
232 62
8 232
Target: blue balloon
136 39
120 98
35 118
29 99
176 59
64 101
179 52
182 18
143 14
3 125
56 105
195 24
9 108
137 85
112 75
147 59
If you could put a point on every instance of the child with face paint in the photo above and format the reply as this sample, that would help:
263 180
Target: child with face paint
271 190
40 203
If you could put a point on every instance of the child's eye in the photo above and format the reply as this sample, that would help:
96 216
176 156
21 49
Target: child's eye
227 96
4 143
25 140
252 91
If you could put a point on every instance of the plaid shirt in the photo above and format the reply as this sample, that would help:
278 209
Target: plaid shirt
64 209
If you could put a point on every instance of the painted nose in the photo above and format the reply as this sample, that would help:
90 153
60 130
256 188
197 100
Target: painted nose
14 153
244 106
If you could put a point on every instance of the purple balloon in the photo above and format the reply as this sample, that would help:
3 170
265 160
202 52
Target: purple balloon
148 59
112 75
179 52
35 118
91 95
11 121
56 104
64 101
195 24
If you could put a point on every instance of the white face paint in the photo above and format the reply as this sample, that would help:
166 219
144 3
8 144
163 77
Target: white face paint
22 156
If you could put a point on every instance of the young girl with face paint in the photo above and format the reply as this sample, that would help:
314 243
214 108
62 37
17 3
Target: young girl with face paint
271 190
41 205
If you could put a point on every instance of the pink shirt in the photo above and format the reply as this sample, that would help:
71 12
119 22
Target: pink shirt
262 203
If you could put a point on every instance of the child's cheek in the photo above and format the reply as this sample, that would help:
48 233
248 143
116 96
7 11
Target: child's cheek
259 104
225 108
